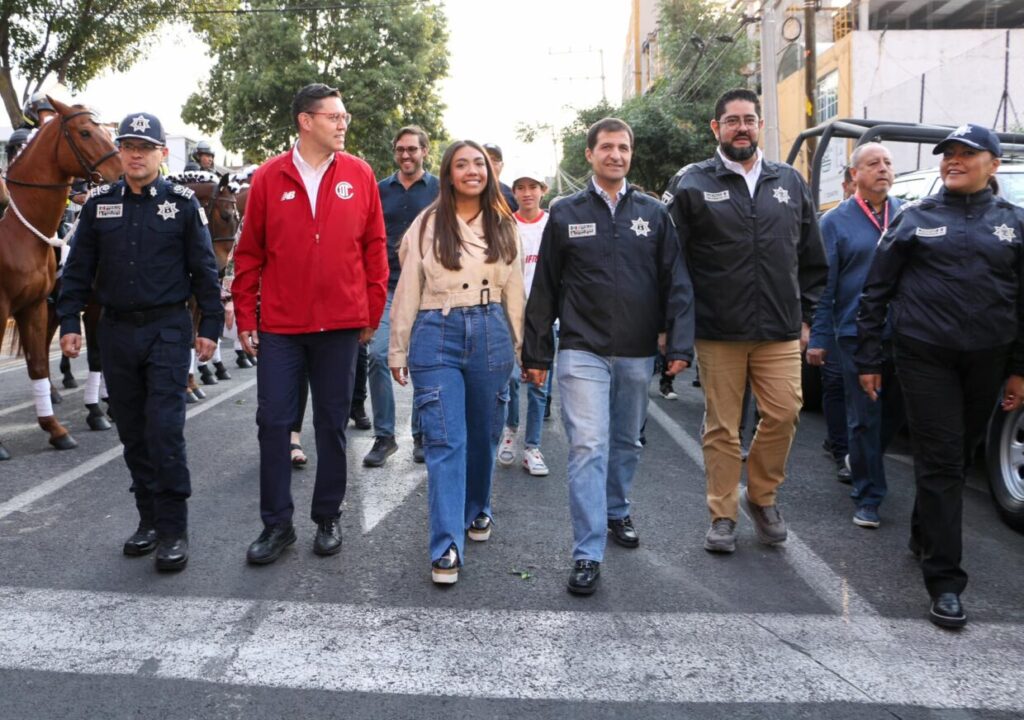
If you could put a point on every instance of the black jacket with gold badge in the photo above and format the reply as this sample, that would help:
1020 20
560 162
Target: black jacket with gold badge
950 272
758 264
613 283
143 251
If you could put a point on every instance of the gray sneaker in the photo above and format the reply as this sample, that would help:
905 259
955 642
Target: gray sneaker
721 536
768 522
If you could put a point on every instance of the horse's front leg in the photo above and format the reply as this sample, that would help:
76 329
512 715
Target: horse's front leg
32 327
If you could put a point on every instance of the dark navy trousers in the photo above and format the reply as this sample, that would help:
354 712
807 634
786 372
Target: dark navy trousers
146 369
328 359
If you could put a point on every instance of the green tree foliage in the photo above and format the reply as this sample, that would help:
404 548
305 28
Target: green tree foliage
671 121
72 41
386 58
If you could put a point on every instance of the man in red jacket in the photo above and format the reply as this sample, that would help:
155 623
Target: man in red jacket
313 250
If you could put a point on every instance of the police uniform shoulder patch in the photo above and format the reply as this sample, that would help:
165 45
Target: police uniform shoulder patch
100 191
187 193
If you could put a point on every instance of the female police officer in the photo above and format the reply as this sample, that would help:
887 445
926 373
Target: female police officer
949 271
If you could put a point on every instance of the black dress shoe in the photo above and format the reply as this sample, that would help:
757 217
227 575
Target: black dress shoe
328 537
947 612
172 553
584 576
270 544
358 415
143 542
623 532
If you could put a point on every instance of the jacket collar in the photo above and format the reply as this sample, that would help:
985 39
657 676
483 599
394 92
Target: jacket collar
469 231
979 198
768 168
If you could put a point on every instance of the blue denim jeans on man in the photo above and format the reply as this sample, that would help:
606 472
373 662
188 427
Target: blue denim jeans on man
604 405
871 425
382 392
536 400
460 365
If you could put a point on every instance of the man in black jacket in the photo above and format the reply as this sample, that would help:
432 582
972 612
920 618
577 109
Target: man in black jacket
611 271
758 266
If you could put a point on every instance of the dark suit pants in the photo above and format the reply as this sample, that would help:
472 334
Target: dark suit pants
328 360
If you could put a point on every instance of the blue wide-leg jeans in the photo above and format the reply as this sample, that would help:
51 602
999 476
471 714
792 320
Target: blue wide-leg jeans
459 365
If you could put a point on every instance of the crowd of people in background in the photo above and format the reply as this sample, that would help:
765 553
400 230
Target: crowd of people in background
468 288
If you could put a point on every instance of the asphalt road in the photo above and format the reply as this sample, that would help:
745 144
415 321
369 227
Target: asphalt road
830 625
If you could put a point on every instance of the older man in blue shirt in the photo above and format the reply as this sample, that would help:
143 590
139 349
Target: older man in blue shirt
403 196
851 231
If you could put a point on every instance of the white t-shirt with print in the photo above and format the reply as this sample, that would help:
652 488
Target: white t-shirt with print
530 233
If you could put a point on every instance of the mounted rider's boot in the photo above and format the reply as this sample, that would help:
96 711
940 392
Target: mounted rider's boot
206 375
221 371
97 419
65 370
242 360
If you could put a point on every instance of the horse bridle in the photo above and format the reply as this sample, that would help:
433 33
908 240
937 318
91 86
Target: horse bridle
212 203
90 170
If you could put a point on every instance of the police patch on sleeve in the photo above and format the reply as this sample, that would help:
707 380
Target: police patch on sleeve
107 210
202 217
582 230
187 193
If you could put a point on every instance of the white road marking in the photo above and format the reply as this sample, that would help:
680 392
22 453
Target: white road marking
382 490
19 364
48 487
576 656
31 403
834 590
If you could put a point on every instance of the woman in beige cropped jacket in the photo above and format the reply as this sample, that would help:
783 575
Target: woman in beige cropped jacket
456 329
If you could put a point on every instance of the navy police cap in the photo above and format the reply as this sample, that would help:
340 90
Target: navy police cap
141 126
975 136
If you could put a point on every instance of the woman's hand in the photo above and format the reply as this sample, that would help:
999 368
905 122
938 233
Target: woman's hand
401 375
1013 393
872 385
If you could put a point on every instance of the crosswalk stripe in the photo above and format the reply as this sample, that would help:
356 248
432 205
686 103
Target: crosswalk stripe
566 655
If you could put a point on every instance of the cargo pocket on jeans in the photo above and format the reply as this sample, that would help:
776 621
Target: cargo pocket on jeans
431 411
499 414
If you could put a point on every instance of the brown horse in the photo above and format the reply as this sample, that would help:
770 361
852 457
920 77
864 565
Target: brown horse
71 145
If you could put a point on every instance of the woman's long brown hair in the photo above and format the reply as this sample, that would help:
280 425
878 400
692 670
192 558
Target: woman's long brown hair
499 225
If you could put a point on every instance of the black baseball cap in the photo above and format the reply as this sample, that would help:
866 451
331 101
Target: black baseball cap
975 136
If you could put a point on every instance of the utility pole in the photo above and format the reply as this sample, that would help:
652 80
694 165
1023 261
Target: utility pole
769 81
810 72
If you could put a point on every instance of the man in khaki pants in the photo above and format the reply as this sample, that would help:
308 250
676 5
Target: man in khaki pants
758 267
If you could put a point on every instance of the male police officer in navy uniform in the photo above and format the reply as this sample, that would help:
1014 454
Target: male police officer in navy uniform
145 243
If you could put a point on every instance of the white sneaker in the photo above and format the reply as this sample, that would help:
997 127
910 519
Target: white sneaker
507 447
533 462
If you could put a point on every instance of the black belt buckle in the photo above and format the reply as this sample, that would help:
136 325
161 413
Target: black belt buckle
485 296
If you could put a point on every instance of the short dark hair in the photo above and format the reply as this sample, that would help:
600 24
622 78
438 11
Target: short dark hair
416 130
737 94
608 124
308 98
847 174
